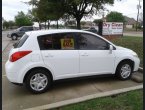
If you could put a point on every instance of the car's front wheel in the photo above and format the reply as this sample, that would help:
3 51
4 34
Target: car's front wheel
38 81
124 70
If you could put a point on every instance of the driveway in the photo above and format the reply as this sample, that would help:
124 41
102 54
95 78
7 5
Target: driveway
5 39
18 98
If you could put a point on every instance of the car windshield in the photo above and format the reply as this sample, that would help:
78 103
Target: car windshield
18 29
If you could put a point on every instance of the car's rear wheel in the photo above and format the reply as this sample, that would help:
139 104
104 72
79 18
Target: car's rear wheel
124 70
38 81
14 37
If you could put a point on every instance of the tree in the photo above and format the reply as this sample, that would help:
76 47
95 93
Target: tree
83 23
11 24
75 8
5 24
115 17
80 8
49 10
8 24
23 20
96 21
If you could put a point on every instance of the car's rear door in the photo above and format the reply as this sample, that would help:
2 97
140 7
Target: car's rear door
95 57
59 54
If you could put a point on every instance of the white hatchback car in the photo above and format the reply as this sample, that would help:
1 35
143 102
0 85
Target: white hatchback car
41 57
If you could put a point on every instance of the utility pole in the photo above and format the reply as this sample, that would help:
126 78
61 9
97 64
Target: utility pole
138 7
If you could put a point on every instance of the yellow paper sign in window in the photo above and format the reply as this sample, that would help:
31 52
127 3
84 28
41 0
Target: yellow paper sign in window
67 43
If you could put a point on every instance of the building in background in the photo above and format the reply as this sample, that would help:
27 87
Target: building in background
130 22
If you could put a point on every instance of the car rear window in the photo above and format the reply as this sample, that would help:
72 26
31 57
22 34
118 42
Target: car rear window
21 41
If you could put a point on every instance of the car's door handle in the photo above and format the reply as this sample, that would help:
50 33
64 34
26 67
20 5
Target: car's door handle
85 54
48 56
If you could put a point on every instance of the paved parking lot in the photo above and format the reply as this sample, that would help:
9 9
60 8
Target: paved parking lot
18 98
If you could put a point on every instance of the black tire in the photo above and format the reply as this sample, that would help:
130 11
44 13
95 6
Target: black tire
14 37
119 71
34 72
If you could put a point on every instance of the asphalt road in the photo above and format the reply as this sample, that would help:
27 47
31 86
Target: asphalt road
5 39
18 98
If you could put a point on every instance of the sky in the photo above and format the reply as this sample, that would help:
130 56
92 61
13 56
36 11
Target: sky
10 8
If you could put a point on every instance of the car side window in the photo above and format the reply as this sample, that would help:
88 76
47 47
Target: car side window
30 29
61 41
91 42
23 29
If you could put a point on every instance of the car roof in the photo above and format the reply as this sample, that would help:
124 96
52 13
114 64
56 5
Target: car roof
51 31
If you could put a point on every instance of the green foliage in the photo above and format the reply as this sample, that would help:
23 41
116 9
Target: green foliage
83 23
8 24
5 24
132 100
96 21
115 17
48 10
23 20
56 9
11 24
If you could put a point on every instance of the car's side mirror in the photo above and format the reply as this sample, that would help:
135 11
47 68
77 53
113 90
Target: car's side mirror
110 49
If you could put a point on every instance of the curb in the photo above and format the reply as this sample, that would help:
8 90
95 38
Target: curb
137 79
85 98
140 70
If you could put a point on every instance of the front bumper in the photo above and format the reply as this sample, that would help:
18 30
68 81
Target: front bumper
136 64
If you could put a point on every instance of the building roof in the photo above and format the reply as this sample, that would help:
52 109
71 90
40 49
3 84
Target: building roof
129 20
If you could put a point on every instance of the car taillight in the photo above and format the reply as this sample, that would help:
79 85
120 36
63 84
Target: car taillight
17 55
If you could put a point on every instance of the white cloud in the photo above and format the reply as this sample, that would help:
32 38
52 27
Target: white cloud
10 8
126 7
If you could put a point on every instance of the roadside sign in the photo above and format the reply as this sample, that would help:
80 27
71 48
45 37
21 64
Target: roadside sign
112 28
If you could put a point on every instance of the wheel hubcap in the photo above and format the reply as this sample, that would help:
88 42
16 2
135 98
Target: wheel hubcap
14 37
38 82
125 70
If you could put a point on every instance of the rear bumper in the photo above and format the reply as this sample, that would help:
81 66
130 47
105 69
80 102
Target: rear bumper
10 73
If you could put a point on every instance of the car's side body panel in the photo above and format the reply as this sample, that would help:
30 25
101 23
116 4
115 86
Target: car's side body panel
66 63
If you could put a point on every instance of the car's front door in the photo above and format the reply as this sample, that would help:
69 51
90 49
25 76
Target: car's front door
59 54
95 57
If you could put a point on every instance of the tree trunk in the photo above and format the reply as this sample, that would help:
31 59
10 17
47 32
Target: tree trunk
78 24
45 25
48 24
39 25
57 24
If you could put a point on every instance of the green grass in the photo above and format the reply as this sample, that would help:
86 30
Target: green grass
132 100
134 43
